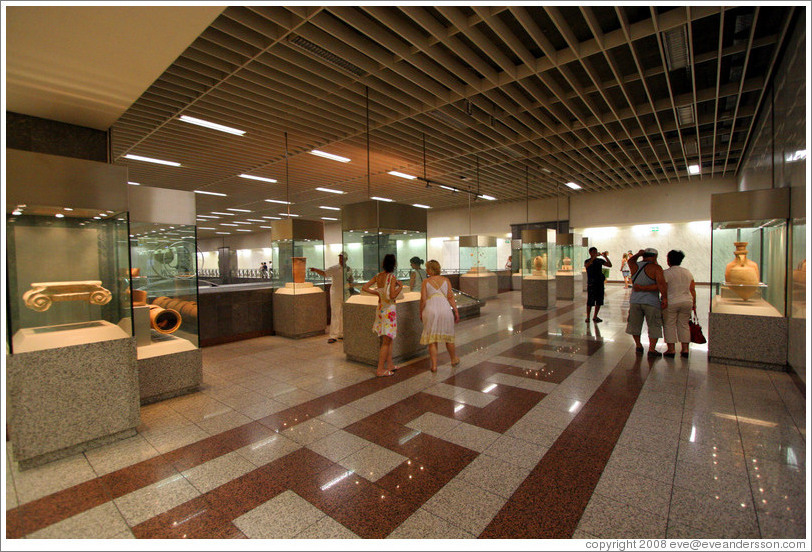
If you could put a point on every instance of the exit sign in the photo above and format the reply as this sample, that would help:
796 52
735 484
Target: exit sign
655 228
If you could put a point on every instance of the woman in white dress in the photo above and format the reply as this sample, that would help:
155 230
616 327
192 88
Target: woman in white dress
438 310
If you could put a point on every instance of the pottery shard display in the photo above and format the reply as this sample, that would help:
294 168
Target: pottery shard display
742 274
566 265
42 294
299 268
164 320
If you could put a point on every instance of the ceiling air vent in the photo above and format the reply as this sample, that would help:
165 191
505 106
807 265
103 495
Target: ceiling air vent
685 114
676 47
327 56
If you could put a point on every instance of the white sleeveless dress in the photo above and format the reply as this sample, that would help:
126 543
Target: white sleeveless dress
438 318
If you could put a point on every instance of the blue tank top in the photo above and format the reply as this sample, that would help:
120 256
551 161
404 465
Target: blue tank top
644 297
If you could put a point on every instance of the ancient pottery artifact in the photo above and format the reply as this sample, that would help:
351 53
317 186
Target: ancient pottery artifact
742 274
299 267
164 320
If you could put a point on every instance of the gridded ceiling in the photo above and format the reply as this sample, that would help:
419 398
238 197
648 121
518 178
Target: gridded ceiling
507 102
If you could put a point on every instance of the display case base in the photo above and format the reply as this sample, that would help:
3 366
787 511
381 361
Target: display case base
72 398
538 293
565 286
170 375
362 345
747 340
299 315
516 282
482 285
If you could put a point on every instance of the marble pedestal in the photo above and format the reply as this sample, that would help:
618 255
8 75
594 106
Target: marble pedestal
753 340
482 285
69 399
299 312
538 293
516 281
169 375
566 285
361 344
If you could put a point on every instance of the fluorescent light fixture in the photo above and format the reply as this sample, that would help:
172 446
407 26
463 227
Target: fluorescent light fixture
330 191
227 224
209 124
67 209
330 156
548 171
444 187
205 228
799 155
219 213
134 183
376 198
243 230
288 215
328 218
268 227
59 215
694 169
208 216
278 201
210 193
272 218
99 218
421 206
226 233
329 208
402 175
255 220
486 196
151 160
238 210
240 222
573 185
260 178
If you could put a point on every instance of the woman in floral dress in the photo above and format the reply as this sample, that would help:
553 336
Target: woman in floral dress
388 287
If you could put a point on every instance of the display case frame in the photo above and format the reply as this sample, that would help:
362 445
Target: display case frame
477 266
539 251
568 275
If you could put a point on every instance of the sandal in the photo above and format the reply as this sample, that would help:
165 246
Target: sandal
455 364
684 355
669 355
331 340
638 349
596 319
385 374
654 353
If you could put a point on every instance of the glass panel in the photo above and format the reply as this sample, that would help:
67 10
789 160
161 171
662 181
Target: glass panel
479 257
293 261
537 260
798 263
566 260
164 275
66 275
366 249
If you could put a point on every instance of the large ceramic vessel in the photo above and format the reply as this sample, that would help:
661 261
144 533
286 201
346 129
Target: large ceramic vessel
540 265
164 320
741 274
566 265
299 269
42 294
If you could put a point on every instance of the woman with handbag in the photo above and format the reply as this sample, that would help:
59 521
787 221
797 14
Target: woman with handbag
681 303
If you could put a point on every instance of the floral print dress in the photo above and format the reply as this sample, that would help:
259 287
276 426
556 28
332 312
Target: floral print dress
386 320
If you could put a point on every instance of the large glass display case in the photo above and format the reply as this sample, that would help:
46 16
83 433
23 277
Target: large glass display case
568 273
797 295
297 247
477 254
516 256
67 280
540 254
164 261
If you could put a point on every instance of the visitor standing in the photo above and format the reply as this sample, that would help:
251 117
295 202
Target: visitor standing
386 319
595 280
648 284
625 272
509 263
438 311
417 275
339 291
681 301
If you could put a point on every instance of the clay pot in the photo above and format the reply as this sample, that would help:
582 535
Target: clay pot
566 264
299 268
139 297
742 273
164 320
188 309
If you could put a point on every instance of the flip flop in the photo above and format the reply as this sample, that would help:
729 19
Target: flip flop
388 373
455 364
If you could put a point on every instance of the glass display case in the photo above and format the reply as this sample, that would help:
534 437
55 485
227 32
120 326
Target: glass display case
164 260
366 249
516 256
797 295
477 254
297 247
568 273
67 277
539 256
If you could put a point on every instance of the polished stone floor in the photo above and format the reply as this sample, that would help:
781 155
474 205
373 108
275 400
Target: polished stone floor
549 428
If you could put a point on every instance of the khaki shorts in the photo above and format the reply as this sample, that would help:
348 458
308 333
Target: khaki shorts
652 315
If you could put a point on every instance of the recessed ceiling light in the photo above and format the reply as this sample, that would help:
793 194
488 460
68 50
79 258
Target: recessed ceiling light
261 178
227 224
219 213
240 222
67 209
133 183
328 218
59 215
17 212
486 196
278 201
376 198
265 227
271 218
204 228
330 190
402 175
444 187
243 230
421 206
226 233
210 193
546 170
329 208
694 169
572 185
288 215
238 210
151 160
330 156
209 124
208 216
255 220
97 218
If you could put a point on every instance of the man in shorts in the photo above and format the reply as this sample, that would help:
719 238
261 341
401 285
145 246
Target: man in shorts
648 298
594 281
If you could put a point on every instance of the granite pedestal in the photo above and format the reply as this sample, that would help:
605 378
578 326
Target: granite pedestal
65 400
566 285
750 333
538 292
361 344
516 282
299 312
482 285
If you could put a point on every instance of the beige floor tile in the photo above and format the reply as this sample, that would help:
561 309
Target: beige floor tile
221 470
35 483
327 528
262 409
120 454
343 416
267 450
372 462
101 522
609 519
338 445
494 475
465 506
223 422
433 424
516 451
423 525
171 440
471 437
282 517
293 398
309 431
148 502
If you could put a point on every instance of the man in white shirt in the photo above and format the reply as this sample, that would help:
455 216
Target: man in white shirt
339 292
